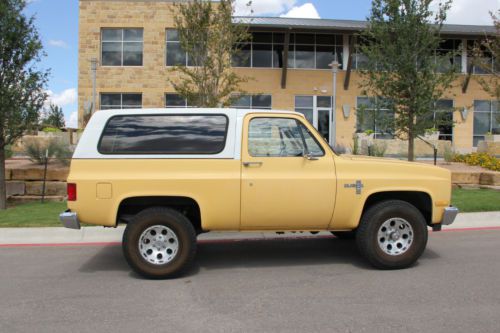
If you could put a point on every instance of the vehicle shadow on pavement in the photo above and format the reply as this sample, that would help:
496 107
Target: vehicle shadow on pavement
108 258
278 252
252 254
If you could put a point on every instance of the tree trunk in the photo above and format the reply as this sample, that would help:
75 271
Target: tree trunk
3 194
411 147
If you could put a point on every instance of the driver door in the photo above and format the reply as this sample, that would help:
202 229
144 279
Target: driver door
288 175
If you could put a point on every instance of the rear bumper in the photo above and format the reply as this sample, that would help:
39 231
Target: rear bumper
69 220
450 213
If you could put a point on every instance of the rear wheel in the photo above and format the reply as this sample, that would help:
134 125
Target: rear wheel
159 243
392 234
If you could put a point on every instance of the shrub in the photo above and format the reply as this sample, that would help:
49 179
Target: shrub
37 150
8 151
355 145
340 149
378 149
448 154
51 130
480 159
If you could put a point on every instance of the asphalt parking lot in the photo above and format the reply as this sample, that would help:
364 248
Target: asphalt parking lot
308 285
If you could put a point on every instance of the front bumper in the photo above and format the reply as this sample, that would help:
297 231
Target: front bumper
69 220
449 215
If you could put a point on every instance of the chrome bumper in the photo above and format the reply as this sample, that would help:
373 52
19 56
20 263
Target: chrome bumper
450 213
69 220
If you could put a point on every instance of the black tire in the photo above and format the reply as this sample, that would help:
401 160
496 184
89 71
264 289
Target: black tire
176 222
346 235
373 219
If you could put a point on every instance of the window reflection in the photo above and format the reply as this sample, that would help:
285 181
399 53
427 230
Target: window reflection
164 134
122 47
280 137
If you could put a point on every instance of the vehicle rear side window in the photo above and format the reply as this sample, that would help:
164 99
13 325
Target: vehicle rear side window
164 134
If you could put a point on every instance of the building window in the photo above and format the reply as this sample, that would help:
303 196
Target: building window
486 63
121 101
443 118
305 105
359 59
175 101
262 49
373 115
486 119
449 55
308 51
176 56
164 134
122 47
263 102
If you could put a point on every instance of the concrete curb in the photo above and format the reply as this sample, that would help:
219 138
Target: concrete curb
92 235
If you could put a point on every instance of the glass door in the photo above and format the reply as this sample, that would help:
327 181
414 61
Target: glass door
318 111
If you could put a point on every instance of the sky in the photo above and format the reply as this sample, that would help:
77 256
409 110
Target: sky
57 23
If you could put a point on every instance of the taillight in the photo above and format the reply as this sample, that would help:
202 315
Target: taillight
71 188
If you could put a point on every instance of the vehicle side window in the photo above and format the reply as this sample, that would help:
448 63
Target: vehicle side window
164 134
313 146
280 137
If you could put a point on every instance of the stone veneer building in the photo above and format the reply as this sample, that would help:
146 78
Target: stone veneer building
134 44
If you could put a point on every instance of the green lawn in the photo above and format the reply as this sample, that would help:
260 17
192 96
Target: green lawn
33 215
480 200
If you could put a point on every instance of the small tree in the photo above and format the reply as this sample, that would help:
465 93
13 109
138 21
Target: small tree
21 83
209 37
490 46
53 117
402 68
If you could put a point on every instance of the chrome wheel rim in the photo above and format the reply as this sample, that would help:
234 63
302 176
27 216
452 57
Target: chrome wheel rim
395 236
158 245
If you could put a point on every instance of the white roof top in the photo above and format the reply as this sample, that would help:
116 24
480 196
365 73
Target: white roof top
226 111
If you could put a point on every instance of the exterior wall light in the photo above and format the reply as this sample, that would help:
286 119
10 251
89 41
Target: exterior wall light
464 113
346 109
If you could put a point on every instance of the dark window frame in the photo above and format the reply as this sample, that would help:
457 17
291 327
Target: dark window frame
278 44
375 110
122 43
121 100
186 104
492 118
165 115
176 42
251 107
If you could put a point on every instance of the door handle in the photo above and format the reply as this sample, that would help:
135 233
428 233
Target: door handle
249 164
310 157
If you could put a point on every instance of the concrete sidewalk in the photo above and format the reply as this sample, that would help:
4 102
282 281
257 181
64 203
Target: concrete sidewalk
111 235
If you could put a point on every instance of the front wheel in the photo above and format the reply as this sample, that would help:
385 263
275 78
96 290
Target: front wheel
159 243
392 234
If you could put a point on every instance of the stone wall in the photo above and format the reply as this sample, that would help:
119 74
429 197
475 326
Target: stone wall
25 184
489 147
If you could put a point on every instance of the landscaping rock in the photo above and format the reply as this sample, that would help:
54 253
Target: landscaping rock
32 198
14 188
465 177
468 186
51 188
488 178
37 174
